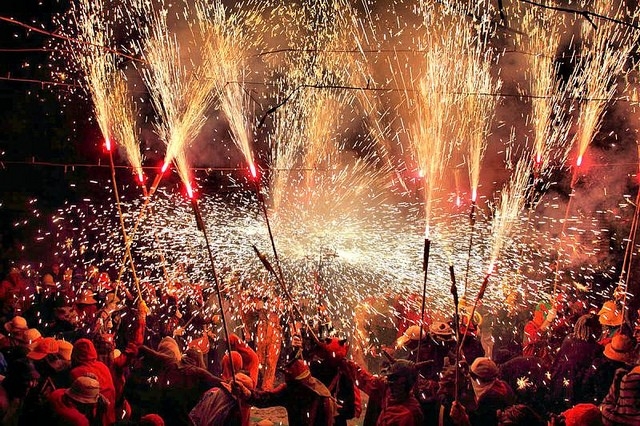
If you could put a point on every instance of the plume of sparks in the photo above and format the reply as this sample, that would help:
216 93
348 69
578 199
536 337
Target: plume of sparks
507 212
226 43
478 106
548 117
306 127
605 52
124 112
96 62
179 90
433 102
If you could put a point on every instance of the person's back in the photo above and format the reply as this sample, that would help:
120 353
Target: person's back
621 406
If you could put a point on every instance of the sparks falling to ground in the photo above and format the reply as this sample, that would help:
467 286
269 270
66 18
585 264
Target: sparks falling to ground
428 87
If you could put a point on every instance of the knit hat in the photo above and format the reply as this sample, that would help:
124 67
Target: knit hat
83 351
84 389
484 368
296 370
16 325
44 347
64 349
620 348
583 415
610 315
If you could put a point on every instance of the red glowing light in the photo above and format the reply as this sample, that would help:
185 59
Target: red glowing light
107 144
420 173
165 166
579 161
474 195
538 158
140 176
252 169
458 201
491 267
189 190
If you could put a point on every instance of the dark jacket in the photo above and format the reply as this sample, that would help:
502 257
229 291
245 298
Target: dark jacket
308 402
179 385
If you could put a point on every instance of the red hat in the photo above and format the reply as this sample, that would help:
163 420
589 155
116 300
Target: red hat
583 415
621 348
296 370
45 346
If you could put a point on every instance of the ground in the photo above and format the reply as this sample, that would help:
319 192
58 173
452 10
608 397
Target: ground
278 416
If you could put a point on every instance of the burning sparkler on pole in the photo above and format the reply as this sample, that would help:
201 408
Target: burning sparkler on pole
425 267
606 50
216 282
99 67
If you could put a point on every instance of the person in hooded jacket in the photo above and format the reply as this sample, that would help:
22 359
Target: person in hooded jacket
179 383
84 360
81 404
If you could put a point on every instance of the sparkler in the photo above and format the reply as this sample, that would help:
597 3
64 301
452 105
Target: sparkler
216 281
540 34
99 67
594 82
606 51
425 267
454 293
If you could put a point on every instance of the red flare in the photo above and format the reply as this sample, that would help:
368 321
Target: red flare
107 144
420 173
458 201
579 161
253 170
189 190
140 177
165 166
474 195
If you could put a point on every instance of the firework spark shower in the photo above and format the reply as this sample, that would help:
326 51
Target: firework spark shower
360 117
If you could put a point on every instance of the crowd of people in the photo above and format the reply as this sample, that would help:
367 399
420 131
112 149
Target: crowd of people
81 348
